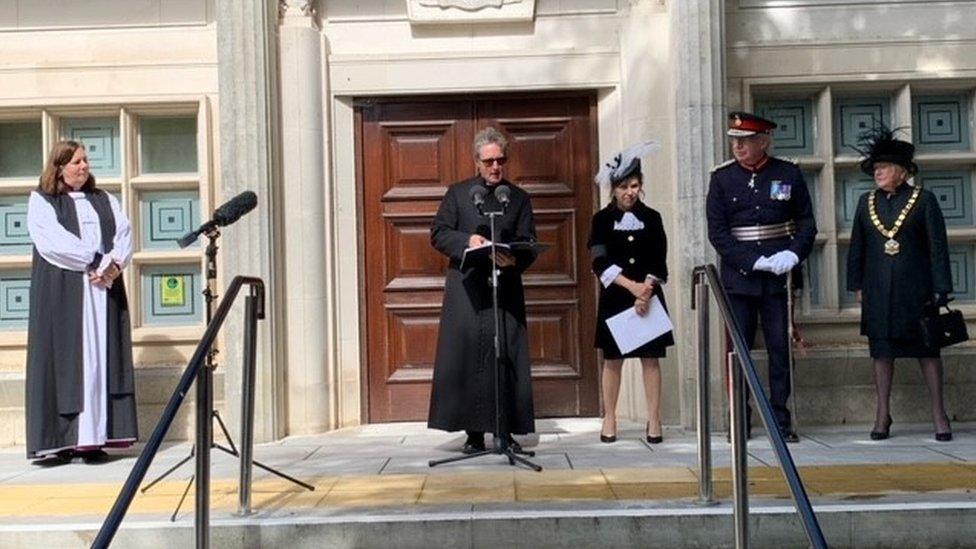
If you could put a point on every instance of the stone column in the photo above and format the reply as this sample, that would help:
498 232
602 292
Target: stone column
247 53
698 64
305 244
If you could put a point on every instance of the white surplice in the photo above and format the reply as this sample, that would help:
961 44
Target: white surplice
63 249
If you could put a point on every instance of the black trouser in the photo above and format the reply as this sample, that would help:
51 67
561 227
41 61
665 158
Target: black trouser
771 309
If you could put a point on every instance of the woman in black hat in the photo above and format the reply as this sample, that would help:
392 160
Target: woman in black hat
629 249
898 264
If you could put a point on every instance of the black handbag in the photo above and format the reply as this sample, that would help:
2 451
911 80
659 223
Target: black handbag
942 330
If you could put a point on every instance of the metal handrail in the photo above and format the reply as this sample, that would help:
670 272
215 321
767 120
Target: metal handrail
747 371
138 473
699 302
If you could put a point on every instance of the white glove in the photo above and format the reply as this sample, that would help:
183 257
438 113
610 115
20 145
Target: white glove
762 264
783 262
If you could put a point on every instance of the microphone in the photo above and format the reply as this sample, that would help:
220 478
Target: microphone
226 214
233 209
478 193
503 195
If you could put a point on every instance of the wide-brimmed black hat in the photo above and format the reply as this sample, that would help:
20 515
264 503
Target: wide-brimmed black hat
879 145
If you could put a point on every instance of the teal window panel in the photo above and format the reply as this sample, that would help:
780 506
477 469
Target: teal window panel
812 179
851 185
847 299
14 299
954 191
21 149
941 123
855 115
813 268
171 295
794 132
14 238
169 145
101 139
962 265
167 216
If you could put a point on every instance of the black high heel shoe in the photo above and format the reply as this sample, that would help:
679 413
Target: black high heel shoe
884 434
607 439
653 439
946 436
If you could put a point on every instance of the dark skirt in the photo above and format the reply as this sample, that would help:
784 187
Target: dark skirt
901 348
651 349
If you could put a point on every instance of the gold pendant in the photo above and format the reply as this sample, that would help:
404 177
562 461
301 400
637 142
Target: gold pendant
891 247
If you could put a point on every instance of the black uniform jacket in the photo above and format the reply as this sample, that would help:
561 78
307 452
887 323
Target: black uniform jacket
462 395
778 194
895 288
639 253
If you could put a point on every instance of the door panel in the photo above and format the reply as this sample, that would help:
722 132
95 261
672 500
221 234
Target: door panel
412 150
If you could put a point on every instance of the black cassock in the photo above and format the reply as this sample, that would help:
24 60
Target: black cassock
896 288
463 393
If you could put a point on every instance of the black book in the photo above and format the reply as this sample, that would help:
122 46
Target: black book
479 257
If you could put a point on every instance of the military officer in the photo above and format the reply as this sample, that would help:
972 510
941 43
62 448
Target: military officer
760 221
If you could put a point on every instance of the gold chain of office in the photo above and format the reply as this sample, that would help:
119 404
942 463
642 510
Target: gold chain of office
891 245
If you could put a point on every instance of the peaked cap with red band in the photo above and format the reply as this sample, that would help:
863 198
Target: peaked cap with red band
744 124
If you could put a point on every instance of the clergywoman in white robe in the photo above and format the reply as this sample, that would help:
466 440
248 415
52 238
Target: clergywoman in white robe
80 394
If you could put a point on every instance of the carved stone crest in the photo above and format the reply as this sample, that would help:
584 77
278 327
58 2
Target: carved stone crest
467 5
470 11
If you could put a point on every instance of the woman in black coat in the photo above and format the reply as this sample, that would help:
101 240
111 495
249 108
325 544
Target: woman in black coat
629 250
898 264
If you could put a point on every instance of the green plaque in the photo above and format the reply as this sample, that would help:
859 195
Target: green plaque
174 291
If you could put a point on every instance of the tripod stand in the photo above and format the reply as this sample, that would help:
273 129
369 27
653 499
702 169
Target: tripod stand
205 391
500 443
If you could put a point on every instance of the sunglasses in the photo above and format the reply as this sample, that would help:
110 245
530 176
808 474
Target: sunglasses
488 162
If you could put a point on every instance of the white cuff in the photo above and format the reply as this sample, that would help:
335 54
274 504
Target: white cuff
609 275
656 280
106 261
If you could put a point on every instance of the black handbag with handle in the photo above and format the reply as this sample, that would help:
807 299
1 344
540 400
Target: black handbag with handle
942 330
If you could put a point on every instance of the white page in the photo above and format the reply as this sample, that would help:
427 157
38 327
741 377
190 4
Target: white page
631 330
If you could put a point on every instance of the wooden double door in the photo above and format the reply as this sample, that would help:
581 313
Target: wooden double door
411 150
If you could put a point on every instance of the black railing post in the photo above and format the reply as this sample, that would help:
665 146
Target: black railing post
703 420
747 371
740 455
251 313
196 364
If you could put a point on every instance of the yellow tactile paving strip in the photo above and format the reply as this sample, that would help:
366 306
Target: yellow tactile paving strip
492 487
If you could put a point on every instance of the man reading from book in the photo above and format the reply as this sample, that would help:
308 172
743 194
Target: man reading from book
463 393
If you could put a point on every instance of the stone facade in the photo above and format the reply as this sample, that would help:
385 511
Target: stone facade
272 89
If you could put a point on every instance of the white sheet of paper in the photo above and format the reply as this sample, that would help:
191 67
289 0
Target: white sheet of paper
631 330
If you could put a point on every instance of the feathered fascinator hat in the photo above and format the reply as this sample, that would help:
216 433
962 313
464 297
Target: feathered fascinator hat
625 164
879 145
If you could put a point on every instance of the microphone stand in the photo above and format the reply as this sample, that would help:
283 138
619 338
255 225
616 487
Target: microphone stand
205 390
500 442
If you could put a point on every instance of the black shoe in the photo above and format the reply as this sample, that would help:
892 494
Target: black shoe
63 457
473 445
92 457
652 439
514 446
884 433
789 435
946 436
608 439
